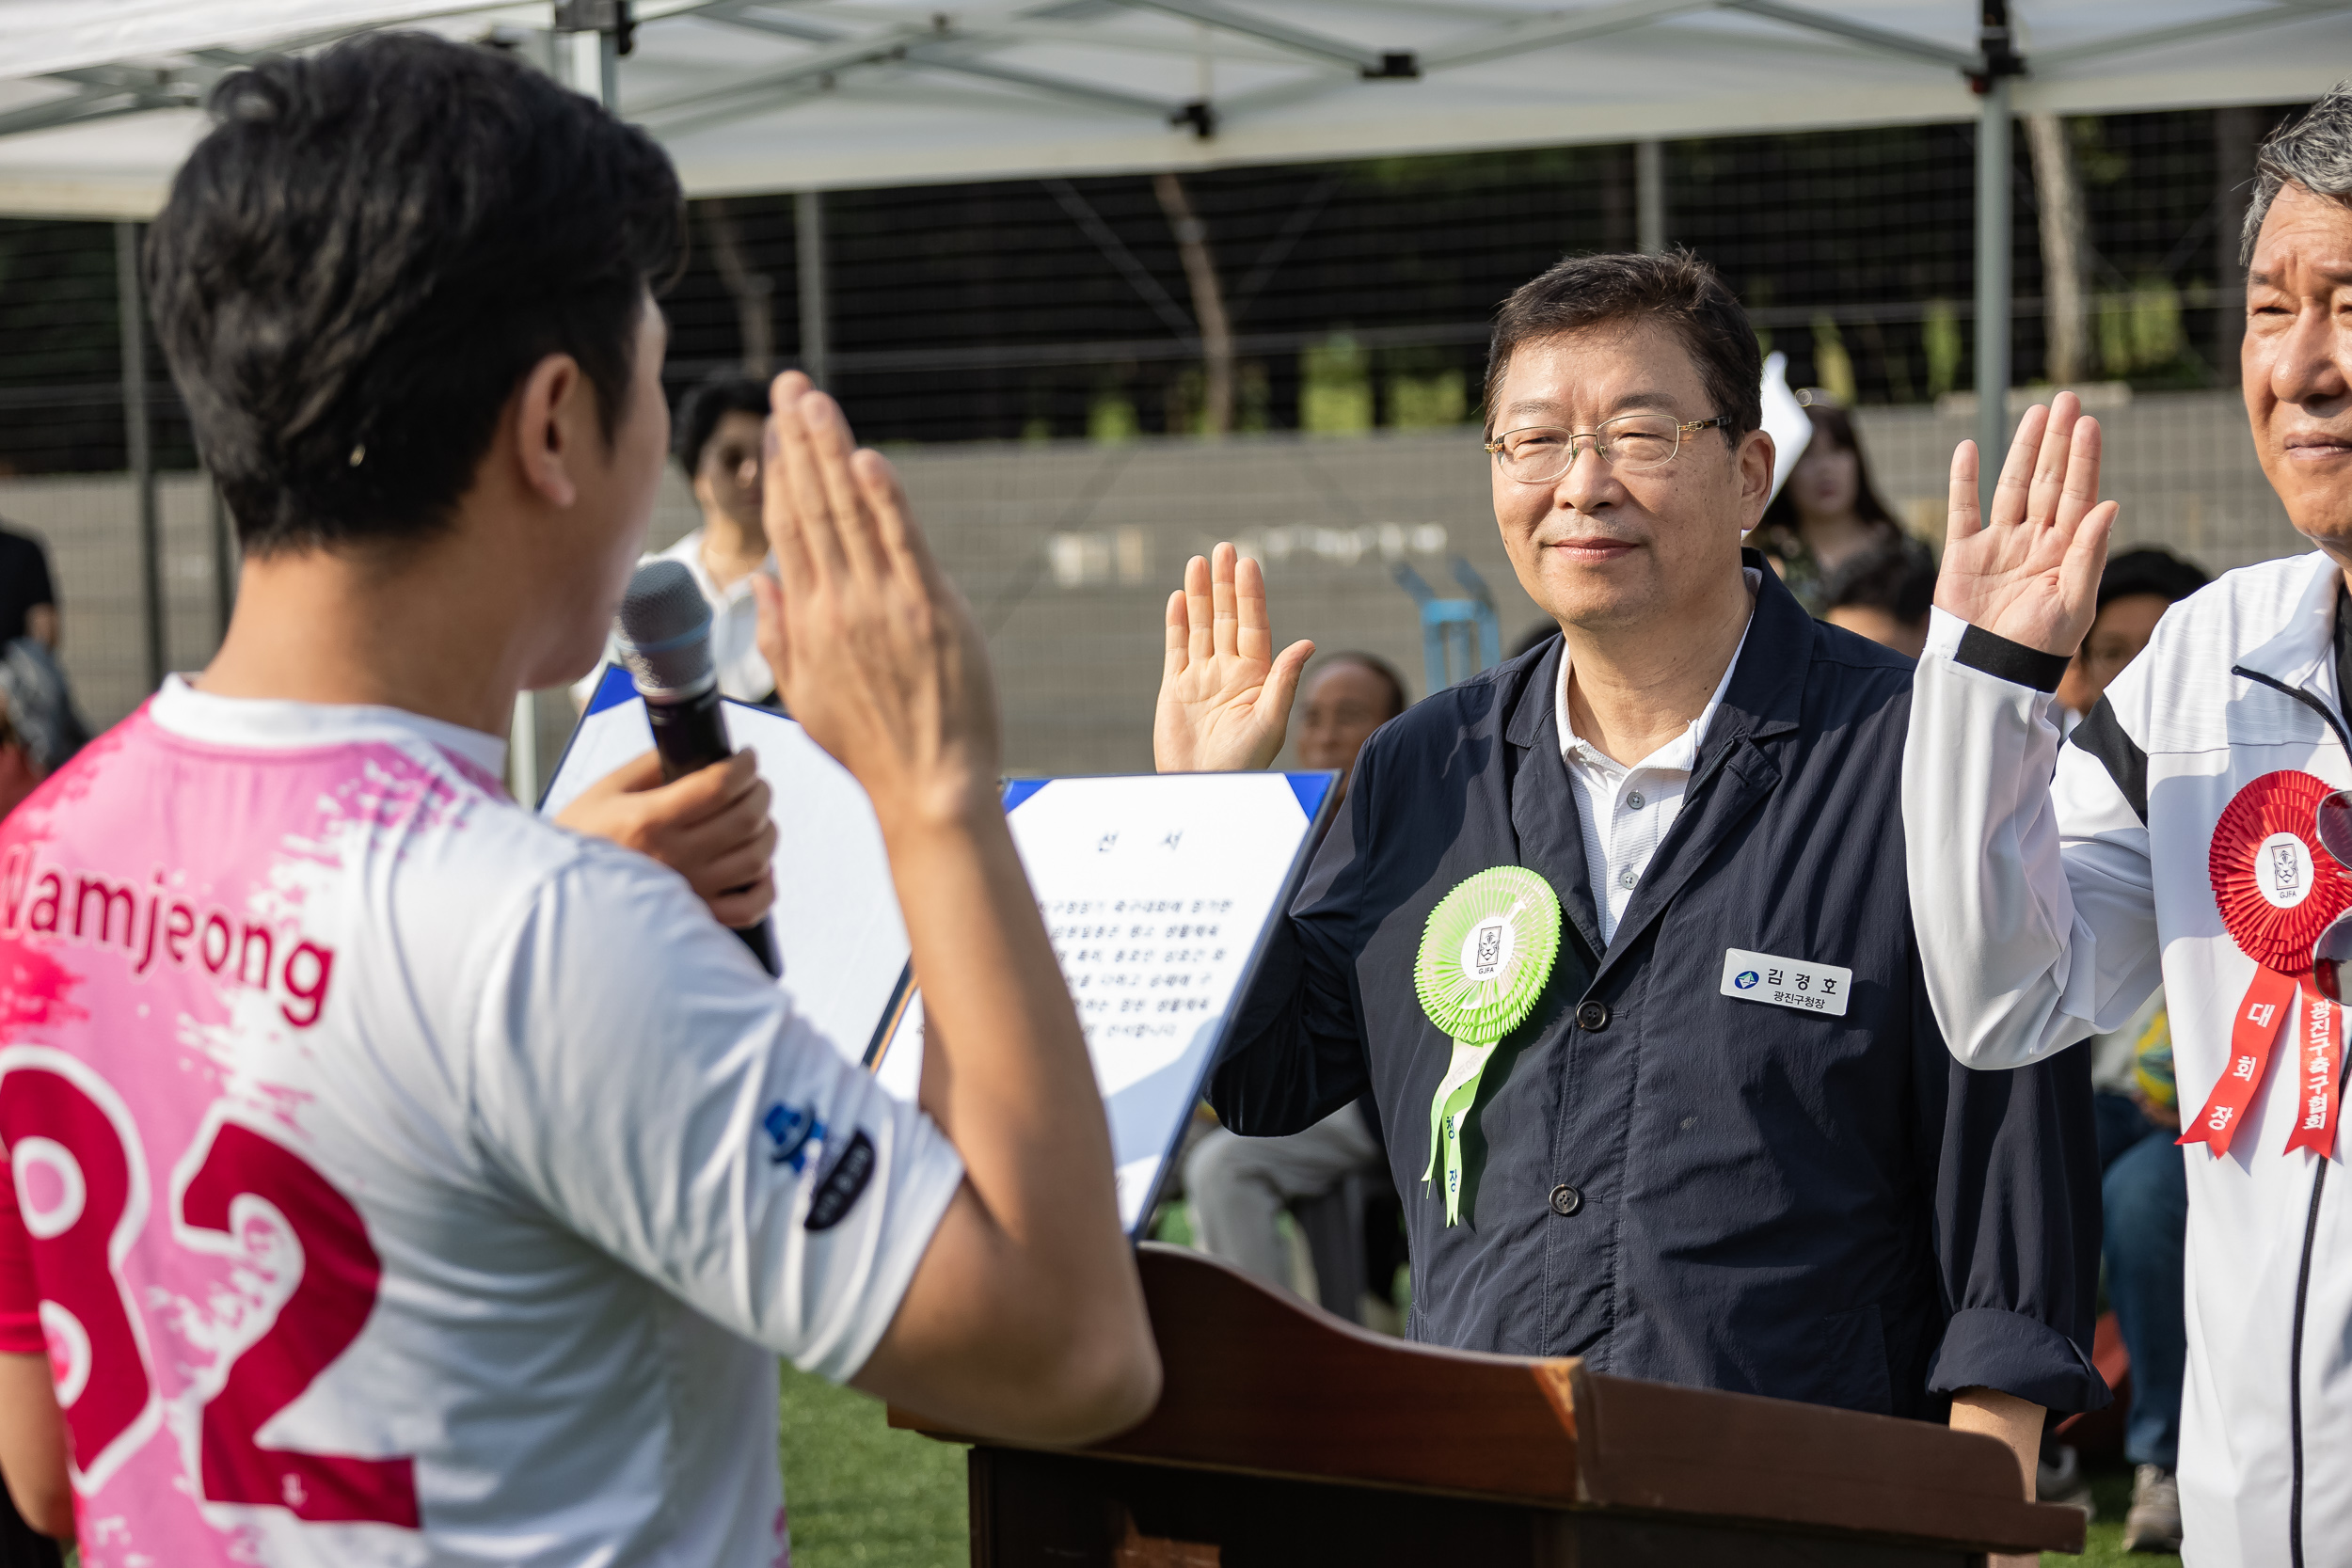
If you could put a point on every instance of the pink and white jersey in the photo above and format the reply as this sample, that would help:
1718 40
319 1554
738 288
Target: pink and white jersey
401 1180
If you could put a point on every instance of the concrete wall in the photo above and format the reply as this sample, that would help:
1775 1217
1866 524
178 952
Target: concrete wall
1068 550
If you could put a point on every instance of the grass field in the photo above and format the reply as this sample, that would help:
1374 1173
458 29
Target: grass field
862 1496
2112 1489
865 1497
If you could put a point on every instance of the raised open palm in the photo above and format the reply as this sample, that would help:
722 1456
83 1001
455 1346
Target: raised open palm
1225 695
2030 573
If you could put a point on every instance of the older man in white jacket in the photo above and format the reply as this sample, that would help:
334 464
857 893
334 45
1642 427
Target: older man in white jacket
2182 839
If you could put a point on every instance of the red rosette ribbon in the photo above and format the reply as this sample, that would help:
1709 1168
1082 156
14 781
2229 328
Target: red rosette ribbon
2276 890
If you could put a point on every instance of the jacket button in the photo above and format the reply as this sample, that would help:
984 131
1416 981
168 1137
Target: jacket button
1593 1016
1566 1200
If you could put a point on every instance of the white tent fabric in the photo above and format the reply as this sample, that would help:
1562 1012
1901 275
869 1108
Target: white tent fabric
98 97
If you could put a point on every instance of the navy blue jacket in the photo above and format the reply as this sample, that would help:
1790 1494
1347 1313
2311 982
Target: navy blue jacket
1668 1181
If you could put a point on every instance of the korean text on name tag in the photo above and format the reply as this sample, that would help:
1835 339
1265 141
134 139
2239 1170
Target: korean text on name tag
1787 982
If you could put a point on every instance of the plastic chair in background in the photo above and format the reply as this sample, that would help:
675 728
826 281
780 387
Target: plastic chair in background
1464 633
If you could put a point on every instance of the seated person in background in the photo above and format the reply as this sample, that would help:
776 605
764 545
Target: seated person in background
1885 595
1239 1187
536 1169
1682 1160
1828 513
716 441
2145 1187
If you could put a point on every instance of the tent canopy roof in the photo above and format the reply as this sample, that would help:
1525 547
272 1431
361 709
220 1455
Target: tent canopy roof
98 102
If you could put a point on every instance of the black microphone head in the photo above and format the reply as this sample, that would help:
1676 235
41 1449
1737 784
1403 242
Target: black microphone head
664 633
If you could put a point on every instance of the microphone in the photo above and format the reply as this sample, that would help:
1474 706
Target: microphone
663 631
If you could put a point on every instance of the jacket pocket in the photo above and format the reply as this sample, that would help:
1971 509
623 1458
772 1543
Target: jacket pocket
1851 1371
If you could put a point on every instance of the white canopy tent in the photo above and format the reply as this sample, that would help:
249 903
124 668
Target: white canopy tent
99 98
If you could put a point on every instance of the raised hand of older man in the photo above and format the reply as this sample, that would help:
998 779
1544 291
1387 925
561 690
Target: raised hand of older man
2031 571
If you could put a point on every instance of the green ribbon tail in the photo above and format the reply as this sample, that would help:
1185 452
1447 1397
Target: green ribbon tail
1449 1109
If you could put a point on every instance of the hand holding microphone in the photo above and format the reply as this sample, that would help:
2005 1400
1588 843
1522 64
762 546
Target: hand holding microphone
663 631
711 828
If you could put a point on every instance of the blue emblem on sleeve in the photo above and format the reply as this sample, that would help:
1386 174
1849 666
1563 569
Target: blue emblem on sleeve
791 1128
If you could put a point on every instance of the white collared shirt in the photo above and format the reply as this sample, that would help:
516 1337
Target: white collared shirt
743 671
1626 811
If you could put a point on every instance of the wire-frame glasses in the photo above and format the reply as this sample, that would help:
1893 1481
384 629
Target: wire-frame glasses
1630 443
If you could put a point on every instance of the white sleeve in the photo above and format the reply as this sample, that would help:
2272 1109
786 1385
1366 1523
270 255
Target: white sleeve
636 1074
2032 895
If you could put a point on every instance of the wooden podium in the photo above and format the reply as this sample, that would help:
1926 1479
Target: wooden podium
1287 1437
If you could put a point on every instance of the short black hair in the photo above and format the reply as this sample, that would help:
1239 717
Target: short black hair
1379 667
701 409
1897 578
2149 570
370 249
1676 288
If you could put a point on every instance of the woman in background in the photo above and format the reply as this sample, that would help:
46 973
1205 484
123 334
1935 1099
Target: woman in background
1827 515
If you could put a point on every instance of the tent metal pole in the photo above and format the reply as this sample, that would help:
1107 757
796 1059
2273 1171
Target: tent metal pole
808 234
1992 286
1649 196
138 439
589 56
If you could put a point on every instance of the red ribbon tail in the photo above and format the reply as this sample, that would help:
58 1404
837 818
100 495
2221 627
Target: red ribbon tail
2264 1010
2319 1057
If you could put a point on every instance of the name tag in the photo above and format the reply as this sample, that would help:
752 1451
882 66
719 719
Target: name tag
1787 982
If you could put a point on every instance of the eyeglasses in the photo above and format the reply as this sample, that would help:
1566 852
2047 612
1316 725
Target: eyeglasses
2332 955
1630 443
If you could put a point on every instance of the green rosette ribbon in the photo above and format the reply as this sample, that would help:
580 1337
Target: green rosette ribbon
1484 956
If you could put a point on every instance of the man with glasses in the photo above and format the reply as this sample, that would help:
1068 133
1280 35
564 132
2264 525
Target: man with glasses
2196 833
1722 1142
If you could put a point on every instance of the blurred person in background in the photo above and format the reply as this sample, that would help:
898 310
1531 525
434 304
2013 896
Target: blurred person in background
2134 590
1340 705
1828 513
2145 1186
1885 595
1240 1187
40 730
28 601
39 726
716 441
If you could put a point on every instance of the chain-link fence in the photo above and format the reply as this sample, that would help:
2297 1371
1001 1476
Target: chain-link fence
1030 352
1067 549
